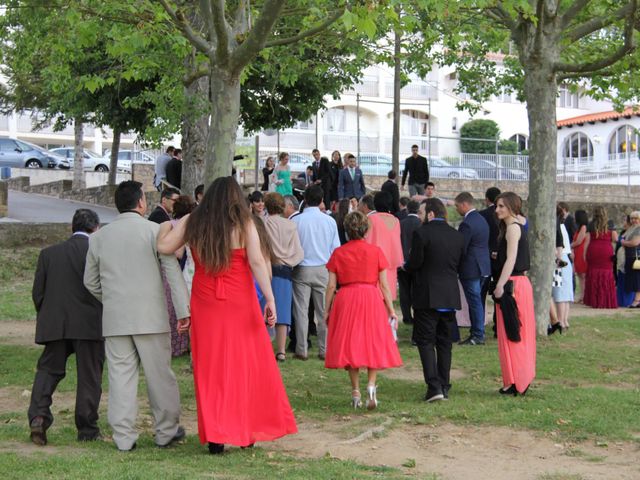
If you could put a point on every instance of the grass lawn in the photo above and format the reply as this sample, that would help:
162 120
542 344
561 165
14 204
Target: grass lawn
586 389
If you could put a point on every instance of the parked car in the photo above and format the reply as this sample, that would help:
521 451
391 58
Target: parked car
21 154
92 161
442 169
374 163
297 159
127 157
488 170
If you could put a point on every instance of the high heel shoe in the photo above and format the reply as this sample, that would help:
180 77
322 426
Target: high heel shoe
355 399
372 401
551 329
509 391
216 448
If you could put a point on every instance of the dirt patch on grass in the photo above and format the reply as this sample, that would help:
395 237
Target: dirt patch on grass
455 452
27 448
18 333
15 399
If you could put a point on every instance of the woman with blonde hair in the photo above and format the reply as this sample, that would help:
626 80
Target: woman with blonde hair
515 317
600 286
235 373
358 315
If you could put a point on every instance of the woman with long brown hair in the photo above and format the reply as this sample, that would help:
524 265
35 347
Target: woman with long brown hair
234 370
600 286
516 327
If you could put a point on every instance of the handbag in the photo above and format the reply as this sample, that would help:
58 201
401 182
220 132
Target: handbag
636 262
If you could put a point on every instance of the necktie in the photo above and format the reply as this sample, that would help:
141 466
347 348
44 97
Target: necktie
353 173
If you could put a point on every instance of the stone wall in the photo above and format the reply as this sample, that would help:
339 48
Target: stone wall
38 176
4 198
144 174
33 234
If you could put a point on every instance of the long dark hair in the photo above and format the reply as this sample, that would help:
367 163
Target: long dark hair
342 211
514 203
339 163
210 228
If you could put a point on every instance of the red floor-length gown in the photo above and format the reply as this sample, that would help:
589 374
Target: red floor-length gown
385 233
600 286
239 391
359 333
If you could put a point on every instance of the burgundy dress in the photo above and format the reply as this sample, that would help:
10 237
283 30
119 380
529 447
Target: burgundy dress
239 391
600 286
359 332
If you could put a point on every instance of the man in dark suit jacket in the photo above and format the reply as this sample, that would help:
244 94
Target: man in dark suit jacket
436 253
174 169
489 214
417 167
476 264
162 213
392 187
351 180
69 320
408 225
402 212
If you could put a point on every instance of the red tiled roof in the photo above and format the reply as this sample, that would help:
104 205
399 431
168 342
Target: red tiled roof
599 117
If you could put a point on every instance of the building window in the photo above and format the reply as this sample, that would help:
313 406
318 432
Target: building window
335 119
578 147
414 124
624 140
304 125
522 141
567 99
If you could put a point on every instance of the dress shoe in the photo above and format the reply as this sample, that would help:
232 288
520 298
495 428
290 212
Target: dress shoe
90 438
445 393
372 400
304 358
216 448
434 396
509 391
556 327
180 434
471 341
38 431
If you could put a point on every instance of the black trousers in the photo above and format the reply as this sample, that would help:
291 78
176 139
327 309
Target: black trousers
405 283
52 368
432 332
313 330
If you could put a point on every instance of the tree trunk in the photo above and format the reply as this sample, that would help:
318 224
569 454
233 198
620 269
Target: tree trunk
225 113
540 89
78 182
195 127
113 162
395 142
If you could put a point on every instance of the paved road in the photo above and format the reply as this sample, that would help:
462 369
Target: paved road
29 207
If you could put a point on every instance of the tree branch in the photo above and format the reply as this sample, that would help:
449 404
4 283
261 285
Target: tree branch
628 46
257 36
221 30
181 22
306 33
195 75
595 24
574 9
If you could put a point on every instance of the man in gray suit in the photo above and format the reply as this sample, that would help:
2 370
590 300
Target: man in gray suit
123 272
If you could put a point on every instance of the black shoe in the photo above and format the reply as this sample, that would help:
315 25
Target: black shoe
216 448
433 396
180 434
445 392
509 391
551 329
38 431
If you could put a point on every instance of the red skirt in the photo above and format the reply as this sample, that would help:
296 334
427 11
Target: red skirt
359 333
518 359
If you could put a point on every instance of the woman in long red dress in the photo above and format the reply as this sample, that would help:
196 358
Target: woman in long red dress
239 392
600 286
517 358
359 332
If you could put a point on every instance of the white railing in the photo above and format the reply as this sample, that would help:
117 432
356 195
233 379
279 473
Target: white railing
368 88
305 139
414 91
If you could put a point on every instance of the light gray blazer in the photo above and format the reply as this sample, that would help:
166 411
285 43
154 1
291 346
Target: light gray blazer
123 272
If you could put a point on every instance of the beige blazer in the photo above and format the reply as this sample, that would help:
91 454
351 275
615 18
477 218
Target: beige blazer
123 272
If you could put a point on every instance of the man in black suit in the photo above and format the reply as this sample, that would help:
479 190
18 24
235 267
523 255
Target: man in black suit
162 213
307 176
392 187
174 169
315 167
476 264
417 167
489 214
402 208
69 320
350 180
436 253
408 225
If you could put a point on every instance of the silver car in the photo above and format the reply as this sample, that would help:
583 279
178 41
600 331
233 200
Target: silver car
440 169
92 161
21 154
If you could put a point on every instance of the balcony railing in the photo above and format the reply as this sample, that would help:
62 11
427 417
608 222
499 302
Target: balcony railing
348 142
368 88
299 139
414 91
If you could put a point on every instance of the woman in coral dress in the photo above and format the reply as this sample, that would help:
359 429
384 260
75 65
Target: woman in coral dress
517 358
360 335
239 392
600 286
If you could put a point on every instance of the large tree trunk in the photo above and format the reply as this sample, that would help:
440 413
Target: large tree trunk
395 142
113 162
540 89
225 112
78 182
195 128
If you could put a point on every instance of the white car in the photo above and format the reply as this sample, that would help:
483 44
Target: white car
92 161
